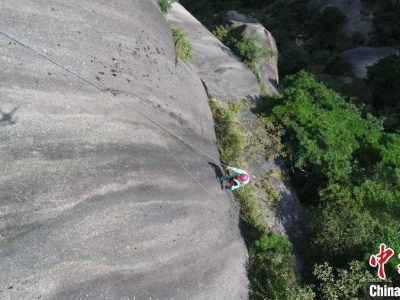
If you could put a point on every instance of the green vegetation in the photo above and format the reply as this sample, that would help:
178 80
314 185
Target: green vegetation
165 5
384 79
250 49
347 172
271 191
223 33
231 140
343 149
247 46
314 117
348 284
270 264
264 91
263 138
287 21
231 145
270 260
183 48
387 24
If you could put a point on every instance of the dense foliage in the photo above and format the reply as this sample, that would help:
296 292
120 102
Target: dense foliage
387 24
270 259
384 78
344 151
347 284
347 171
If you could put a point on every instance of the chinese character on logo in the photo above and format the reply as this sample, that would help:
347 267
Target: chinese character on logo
398 266
381 259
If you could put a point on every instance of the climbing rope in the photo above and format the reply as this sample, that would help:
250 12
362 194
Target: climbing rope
22 43
182 140
76 75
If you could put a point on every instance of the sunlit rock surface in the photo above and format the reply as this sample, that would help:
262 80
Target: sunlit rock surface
96 200
267 64
222 73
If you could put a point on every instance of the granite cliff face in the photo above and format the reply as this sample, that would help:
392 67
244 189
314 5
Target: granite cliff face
224 76
356 19
267 65
97 201
358 59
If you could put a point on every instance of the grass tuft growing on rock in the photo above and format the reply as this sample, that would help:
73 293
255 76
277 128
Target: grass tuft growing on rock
250 49
270 260
231 141
231 145
272 192
165 5
183 48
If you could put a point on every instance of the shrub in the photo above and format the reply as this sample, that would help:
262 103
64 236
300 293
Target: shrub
247 46
384 79
230 138
183 48
263 138
270 261
347 284
323 130
250 49
231 142
272 241
272 192
251 211
271 275
165 5
263 88
222 32
386 24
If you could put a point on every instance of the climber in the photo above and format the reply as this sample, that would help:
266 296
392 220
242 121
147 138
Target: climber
237 179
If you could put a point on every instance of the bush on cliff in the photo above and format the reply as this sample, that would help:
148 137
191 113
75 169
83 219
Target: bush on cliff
183 48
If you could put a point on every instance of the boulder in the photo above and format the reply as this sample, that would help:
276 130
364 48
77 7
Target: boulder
235 17
356 20
99 198
268 65
222 73
358 59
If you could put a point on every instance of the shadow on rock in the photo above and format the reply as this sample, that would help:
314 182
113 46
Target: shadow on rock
218 172
7 118
275 84
288 210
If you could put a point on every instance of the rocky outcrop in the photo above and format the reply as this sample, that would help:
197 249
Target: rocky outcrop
358 59
222 73
96 200
267 65
355 21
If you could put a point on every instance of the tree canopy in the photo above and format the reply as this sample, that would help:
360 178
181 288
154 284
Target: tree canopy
384 78
346 167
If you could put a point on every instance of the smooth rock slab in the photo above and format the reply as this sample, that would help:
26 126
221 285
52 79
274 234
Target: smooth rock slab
222 73
358 59
96 201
